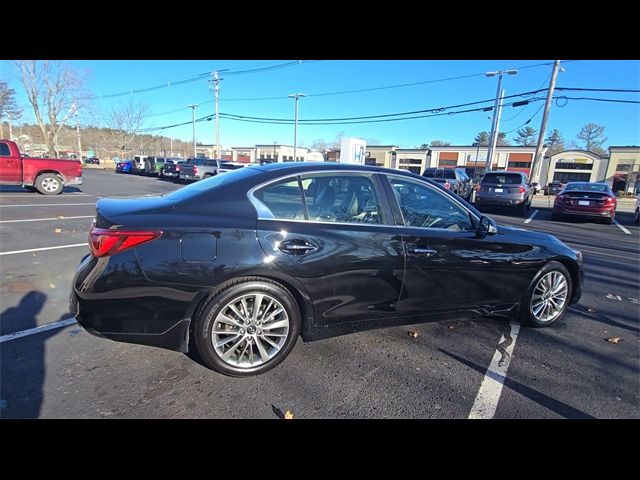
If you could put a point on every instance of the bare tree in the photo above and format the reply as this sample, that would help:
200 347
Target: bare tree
55 90
122 123
592 137
338 140
8 106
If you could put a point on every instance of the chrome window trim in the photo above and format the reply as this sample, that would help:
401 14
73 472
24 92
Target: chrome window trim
262 209
471 214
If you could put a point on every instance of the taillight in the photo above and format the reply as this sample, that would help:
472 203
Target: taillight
610 200
79 169
447 185
561 198
177 168
104 242
195 169
522 189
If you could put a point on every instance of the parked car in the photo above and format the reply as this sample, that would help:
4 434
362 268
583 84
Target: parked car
195 169
244 263
138 165
45 175
505 189
92 161
171 168
153 166
454 179
230 166
553 188
124 167
585 199
537 188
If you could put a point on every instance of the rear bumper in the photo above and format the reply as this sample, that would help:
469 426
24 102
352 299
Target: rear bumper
190 178
585 212
504 200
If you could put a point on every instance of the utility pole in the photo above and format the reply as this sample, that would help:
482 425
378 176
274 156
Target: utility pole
295 130
75 108
171 145
495 123
193 120
537 161
275 159
215 81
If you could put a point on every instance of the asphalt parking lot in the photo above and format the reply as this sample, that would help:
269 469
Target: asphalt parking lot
568 371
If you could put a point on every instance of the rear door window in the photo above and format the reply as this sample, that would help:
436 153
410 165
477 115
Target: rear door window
502 179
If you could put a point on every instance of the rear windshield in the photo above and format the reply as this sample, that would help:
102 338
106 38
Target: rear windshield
439 173
502 179
587 187
210 183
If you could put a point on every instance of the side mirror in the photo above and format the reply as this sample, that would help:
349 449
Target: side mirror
486 226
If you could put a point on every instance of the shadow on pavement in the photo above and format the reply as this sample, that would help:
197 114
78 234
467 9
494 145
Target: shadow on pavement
22 366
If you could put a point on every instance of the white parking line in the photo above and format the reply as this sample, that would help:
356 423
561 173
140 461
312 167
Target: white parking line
621 227
45 219
42 328
528 220
488 396
45 248
47 205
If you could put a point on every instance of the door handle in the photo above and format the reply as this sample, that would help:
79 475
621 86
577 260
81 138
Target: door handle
426 252
297 247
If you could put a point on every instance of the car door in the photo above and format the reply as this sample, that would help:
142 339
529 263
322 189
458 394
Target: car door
10 167
449 267
331 232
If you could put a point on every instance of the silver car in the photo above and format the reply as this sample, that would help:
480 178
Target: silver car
505 189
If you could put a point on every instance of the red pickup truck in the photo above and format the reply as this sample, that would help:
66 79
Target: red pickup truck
46 175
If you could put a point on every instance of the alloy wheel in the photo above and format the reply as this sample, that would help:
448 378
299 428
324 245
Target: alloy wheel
549 296
50 184
250 330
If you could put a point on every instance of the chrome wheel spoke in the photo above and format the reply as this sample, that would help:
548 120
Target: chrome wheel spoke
271 342
224 341
232 349
235 310
276 324
257 303
228 320
263 353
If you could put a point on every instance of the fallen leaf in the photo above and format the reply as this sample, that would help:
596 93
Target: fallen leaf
414 334
615 340
51 285
452 327
57 230
288 415
591 310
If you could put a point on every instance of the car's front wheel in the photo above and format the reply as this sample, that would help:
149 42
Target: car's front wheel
247 328
548 296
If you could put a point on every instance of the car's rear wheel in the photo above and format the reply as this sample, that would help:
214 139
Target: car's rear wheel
247 328
548 296
637 219
49 184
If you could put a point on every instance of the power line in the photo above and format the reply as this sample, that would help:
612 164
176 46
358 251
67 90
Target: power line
200 76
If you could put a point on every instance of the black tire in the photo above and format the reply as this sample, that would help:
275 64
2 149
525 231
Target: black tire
555 217
207 175
204 322
49 184
522 208
608 221
526 316
637 219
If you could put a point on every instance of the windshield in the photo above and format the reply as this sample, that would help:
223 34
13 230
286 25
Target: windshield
502 179
587 187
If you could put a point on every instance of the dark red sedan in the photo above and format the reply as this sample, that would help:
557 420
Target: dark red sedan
586 199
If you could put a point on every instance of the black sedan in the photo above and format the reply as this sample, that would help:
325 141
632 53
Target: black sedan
241 264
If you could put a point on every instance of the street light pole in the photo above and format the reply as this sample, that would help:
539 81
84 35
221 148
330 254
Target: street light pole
295 130
77 131
493 137
193 120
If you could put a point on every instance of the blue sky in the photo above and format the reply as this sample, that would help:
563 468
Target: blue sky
622 121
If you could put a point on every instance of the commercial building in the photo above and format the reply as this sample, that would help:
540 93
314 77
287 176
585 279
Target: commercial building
413 159
384 155
473 159
280 153
573 166
622 170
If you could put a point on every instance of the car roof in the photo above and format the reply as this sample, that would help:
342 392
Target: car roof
285 167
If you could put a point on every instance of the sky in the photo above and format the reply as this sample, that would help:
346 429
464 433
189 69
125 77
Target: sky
239 93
